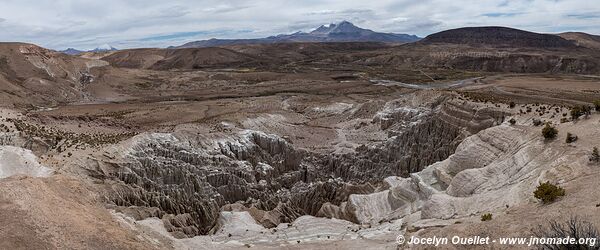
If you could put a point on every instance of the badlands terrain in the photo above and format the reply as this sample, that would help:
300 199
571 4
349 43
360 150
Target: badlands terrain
296 145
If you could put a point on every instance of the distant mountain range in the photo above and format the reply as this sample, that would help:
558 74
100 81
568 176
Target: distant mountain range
102 48
490 36
341 32
72 51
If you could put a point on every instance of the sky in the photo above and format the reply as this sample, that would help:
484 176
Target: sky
87 24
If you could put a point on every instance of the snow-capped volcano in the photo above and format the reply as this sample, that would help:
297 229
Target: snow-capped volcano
342 27
103 47
336 32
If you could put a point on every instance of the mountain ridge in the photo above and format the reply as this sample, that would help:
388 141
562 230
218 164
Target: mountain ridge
101 48
341 32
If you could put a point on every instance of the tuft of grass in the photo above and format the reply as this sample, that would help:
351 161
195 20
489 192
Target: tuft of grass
486 217
595 157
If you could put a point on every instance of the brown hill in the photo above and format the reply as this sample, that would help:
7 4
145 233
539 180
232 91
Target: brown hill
492 49
164 59
497 37
34 75
265 56
305 50
582 39
471 54
444 56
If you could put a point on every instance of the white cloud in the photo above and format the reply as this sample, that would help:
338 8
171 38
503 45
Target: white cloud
86 24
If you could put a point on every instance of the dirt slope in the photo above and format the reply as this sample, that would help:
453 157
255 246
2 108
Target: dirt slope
58 213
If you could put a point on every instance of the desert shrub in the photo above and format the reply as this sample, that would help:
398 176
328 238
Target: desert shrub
578 111
547 192
571 138
549 132
512 121
573 228
587 110
597 105
512 105
537 122
486 217
595 157
564 120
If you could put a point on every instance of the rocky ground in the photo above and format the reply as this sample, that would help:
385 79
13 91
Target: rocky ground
133 156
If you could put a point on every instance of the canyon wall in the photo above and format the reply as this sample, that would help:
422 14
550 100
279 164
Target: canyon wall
191 176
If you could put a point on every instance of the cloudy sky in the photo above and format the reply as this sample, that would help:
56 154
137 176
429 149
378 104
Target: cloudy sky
86 24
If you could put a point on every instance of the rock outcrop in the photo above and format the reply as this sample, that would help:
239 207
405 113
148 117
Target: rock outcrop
19 161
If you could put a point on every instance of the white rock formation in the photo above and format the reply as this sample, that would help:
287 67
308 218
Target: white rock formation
238 223
496 168
19 161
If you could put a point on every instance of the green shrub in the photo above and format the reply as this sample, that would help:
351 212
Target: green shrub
547 192
597 105
578 111
571 138
549 132
486 217
587 110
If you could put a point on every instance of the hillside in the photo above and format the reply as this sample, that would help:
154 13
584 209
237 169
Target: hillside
497 37
34 75
162 59
582 39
